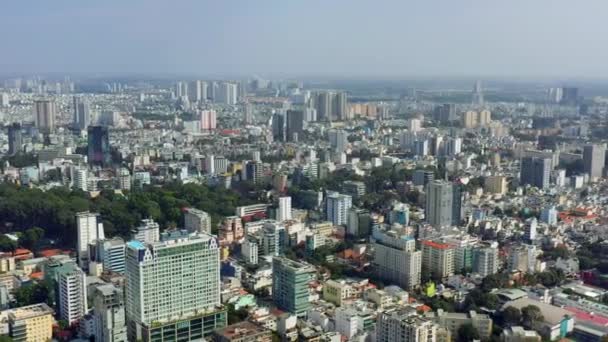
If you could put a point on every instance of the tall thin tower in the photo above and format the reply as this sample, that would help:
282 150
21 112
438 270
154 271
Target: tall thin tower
477 94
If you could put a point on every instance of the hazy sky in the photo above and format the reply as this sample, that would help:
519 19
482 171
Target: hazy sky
338 38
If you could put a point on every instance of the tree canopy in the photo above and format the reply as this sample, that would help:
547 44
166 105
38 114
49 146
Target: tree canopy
53 212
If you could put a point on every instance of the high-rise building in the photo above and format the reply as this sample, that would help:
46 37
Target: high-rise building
197 221
403 325
439 203
535 171
340 107
594 157
453 146
15 141
80 178
338 139
414 125
295 125
44 113
250 249
254 172
530 229
437 258
147 232
445 113
477 94
89 229
81 114
195 91
469 119
495 185
208 120
248 113
227 93
485 117
278 127
109 314
485 260
324 106
4 100
549 215
110 253
99 146
569 96
359 223
290 281
423 177
457 199
396 259
284 212
337 208
72 293
173 288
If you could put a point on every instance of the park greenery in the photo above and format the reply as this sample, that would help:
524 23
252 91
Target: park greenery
51 214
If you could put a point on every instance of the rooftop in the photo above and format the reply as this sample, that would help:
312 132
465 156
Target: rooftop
30 311
240 330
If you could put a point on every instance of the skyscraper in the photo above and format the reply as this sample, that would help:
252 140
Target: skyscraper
535 172
477 94
340 106
594 157
456 203
173 288
15 142
89 229
324 106
99 146
337 208
284 212
248 114
44 114
290 285
295 125
195 91
439 203
278 127
82 116
569 96
469 119
208 120
227 93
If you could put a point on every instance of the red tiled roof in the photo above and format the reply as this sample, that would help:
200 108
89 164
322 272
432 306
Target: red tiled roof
586 316
434 244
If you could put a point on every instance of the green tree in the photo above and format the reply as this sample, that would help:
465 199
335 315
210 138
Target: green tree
30 238
531 316
7 244
466 333
34 293
511 315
